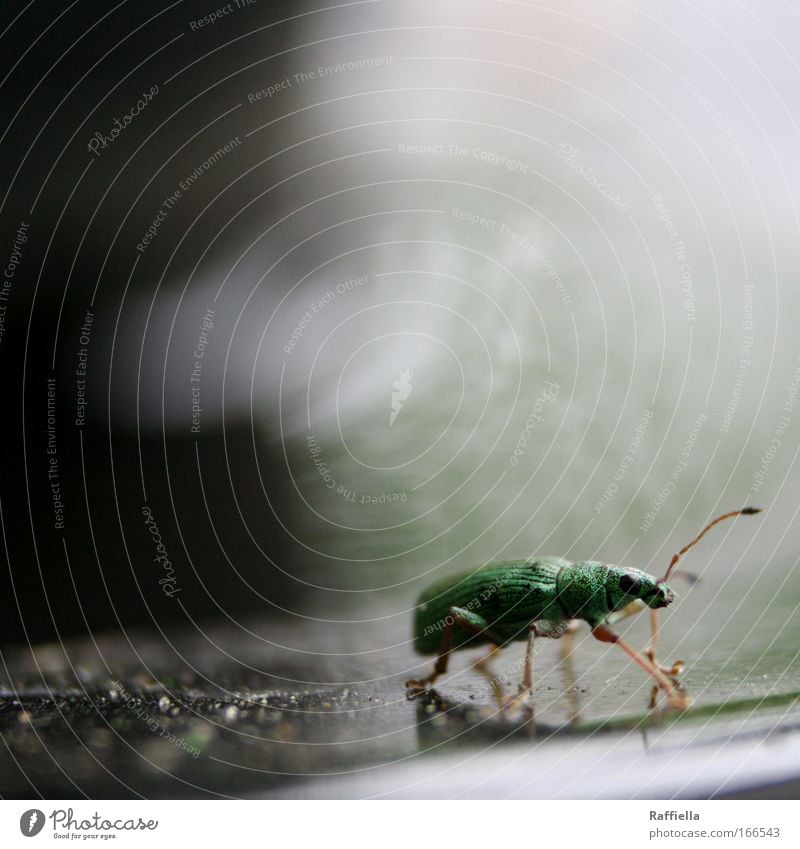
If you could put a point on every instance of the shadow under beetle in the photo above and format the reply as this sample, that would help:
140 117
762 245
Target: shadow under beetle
545 597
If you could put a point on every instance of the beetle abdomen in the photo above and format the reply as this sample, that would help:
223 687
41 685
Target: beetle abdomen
507 596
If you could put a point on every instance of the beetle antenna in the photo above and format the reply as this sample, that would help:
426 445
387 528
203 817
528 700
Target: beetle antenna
654 618
746 511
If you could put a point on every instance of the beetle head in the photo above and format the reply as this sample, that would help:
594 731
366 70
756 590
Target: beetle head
627 585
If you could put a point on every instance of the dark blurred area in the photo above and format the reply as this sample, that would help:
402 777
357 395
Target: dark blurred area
79 464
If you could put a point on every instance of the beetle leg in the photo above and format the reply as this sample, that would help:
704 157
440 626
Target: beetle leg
417 686
526 686
568 640
634 607
472 623
482 665
676 698
467 621
527 678
570 685
677 667
672 671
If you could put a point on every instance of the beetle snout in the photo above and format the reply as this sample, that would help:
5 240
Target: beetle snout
664 597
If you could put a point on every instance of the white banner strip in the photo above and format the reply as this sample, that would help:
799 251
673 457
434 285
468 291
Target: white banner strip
401 824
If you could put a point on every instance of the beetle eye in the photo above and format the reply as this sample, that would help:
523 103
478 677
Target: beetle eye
630 584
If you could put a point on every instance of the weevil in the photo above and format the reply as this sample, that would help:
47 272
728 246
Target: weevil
546 597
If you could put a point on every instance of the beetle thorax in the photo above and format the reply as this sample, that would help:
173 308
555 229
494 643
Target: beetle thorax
582 591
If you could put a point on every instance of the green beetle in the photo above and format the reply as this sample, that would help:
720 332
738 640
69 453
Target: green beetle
544 597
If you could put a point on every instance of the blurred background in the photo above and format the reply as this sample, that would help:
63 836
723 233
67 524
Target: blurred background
306 306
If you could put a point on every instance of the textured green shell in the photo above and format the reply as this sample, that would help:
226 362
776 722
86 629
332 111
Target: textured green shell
509 596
